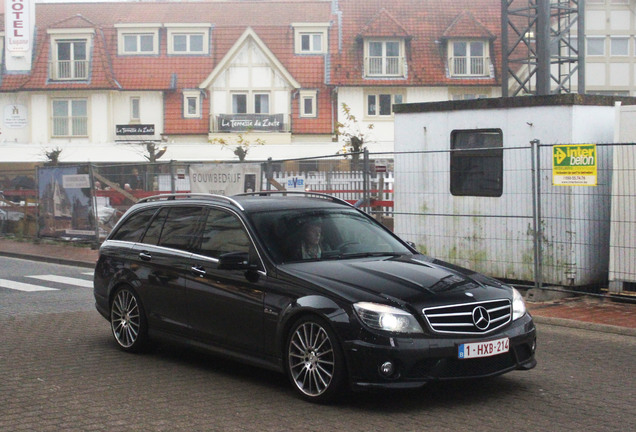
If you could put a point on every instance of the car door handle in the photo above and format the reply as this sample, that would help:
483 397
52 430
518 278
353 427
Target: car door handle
145 256
198 271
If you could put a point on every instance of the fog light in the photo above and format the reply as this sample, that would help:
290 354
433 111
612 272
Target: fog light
387 369
534 345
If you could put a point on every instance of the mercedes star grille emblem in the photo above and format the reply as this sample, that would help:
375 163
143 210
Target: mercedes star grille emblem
481 318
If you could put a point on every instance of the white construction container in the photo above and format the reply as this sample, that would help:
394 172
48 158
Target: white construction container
495 233
622 263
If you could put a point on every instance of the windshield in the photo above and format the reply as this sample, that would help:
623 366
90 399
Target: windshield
299 235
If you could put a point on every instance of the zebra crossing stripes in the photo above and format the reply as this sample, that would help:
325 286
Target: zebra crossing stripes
20 286
28 287
65 280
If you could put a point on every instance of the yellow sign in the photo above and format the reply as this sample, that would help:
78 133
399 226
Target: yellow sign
574 165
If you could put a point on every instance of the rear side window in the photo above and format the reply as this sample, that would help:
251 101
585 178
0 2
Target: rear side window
223 233
133 227
179 229
154 230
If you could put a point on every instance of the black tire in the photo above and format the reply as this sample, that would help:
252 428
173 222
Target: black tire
314 360
128 321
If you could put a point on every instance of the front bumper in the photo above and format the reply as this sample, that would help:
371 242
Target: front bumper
417 361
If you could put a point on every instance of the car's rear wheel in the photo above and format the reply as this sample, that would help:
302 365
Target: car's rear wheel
315 363
128 321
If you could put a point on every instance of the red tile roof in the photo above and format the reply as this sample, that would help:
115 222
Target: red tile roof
466 25
383 24
422 23
425 22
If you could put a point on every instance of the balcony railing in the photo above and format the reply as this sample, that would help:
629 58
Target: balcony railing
70 126
468 66
69 70
385 66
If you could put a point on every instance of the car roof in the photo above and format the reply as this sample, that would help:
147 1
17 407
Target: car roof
258 201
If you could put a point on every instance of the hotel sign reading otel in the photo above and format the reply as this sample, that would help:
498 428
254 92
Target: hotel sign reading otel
16 24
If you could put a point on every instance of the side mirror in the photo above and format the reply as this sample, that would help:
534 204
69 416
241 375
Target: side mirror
234 261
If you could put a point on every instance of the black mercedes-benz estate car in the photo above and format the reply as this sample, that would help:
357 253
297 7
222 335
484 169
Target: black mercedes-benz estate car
307 285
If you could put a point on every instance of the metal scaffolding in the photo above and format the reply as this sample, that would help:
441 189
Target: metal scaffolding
541 55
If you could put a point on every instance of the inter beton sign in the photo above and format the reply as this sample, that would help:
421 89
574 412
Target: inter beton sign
17 25
574 165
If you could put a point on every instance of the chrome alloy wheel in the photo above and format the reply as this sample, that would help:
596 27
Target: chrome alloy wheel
125 318
311 358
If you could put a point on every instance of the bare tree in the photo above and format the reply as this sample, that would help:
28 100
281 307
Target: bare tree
240 144
353 133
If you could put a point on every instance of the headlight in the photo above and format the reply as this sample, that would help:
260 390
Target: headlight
518 305
387 318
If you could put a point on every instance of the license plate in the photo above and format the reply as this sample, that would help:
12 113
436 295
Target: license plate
483 349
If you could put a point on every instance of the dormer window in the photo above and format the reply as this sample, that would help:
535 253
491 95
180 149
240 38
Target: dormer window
138 43
137 39
71 61
384 58
69 55
310 38
188 39
468 58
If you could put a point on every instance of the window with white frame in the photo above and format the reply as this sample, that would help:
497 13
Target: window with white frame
135 111
619 46
192 104
187 43
381 104
261 103
468 58
251 103
184 39
384 58
239 103
308 103
595 46
311 42
138 39
70 59
310 38
70 117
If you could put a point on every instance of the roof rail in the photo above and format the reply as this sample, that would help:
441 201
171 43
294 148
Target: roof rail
174 196
308 194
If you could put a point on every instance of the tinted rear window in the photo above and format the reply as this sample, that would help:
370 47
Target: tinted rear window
133 227
154 230
180 227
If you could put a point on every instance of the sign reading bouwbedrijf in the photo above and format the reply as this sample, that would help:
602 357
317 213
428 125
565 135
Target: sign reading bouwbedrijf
135 129
250 122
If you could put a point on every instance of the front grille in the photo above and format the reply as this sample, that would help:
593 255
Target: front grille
469 318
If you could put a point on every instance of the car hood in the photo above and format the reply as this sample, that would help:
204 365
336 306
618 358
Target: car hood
413 279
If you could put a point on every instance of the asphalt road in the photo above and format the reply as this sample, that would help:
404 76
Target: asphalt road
60 370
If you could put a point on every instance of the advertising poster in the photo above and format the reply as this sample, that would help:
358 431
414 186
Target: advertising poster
65 203
574 165
225 179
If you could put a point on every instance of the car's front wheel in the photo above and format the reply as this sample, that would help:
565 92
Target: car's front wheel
315 363
128 321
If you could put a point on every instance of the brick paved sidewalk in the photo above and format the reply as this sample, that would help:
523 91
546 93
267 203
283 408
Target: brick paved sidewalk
60 253
585 312
589 310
